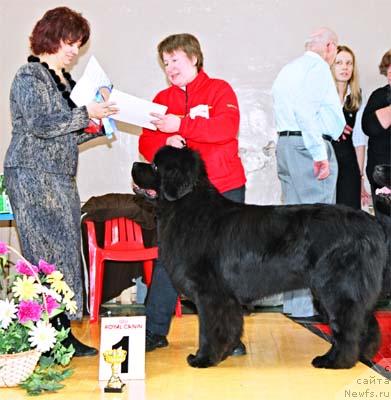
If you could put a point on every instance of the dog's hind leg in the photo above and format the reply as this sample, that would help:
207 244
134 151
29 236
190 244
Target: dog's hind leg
370 339
347 326
220 328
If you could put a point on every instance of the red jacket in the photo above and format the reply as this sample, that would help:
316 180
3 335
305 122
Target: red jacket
215 137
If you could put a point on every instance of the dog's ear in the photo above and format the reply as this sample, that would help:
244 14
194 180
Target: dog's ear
179 172
175 186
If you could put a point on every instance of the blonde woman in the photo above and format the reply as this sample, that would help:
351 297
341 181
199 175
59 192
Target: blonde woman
350 148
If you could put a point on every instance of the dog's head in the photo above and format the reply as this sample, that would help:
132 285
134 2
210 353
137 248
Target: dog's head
173 174
382 176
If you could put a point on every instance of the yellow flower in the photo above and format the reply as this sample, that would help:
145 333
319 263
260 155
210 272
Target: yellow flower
67 290
70 305
56 282
60 286
26 288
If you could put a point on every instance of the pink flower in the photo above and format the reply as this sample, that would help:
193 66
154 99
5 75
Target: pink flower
3 248
51 304
26 269
45 267
29 310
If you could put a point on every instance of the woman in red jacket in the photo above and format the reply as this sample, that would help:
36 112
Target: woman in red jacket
202 114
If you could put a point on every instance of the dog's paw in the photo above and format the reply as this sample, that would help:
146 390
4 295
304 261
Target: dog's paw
369 352
199 361
326 361
321 362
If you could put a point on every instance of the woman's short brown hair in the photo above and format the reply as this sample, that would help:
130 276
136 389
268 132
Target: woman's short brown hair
385 63
58 24
185 42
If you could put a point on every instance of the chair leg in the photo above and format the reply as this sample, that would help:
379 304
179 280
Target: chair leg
178 308
148 269
92 282
96 282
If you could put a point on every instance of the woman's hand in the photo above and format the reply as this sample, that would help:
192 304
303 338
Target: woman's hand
166 123
176 141
101 110
347 131
365 198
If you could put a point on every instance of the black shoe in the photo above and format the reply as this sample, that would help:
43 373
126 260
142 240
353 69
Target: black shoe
153 341
314 319
81 349
239 350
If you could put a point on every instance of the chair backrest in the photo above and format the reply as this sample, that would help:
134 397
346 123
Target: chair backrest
123 233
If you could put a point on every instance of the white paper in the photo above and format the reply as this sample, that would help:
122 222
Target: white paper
93 78
134 110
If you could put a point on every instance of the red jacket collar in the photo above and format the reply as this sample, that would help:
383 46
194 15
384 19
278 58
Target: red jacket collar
196 83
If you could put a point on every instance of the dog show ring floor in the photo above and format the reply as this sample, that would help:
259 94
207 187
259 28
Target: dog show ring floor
277 366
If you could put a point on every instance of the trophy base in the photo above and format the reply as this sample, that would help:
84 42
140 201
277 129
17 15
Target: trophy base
113 389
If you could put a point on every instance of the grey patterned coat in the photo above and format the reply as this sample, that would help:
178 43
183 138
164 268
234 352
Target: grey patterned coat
40 168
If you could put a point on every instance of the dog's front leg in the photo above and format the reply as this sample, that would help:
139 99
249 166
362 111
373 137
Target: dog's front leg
220 329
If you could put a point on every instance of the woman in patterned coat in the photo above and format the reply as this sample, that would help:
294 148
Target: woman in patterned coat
41 161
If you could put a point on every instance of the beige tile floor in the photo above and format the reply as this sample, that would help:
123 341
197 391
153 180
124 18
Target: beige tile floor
278 366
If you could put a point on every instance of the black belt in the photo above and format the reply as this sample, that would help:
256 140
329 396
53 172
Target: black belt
290 133
298 133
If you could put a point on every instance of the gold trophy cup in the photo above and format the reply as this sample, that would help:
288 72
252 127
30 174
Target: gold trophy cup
114 357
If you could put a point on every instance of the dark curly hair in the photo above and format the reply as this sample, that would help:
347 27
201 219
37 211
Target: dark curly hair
58 24
385 63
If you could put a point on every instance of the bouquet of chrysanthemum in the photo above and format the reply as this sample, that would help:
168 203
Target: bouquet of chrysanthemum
38 293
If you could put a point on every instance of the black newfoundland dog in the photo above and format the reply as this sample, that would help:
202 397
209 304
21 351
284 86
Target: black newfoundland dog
223 254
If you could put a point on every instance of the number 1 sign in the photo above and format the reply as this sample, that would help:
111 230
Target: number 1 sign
127 333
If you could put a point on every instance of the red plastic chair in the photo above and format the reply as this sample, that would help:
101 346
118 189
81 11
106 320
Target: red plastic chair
123 241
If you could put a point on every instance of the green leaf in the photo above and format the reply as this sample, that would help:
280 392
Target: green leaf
14 339
46 362
45 380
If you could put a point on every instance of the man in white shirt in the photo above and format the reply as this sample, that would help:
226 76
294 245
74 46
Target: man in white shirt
308 115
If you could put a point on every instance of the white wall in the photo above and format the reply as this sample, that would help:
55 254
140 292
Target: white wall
245 42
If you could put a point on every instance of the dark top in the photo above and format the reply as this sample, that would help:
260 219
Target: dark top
349 179
379 143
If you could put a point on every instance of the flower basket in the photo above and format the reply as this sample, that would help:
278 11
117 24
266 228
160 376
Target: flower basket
31 347
15 368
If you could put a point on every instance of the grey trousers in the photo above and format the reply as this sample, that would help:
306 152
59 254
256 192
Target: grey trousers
300 186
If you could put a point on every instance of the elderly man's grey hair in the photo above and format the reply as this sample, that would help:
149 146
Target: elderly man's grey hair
318 40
